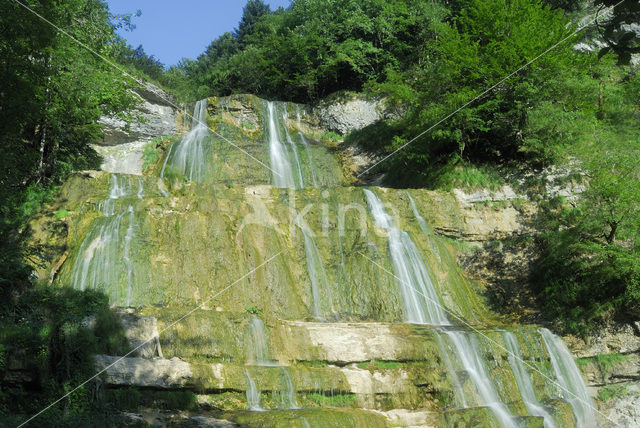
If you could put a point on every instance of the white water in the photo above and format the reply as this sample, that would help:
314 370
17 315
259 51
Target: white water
127 254
280 163
253 394
422 306
288 393
189 155
568 376
523 380
469 353
259 355
285 119
259 345
317 275
100 262
421 302
425 228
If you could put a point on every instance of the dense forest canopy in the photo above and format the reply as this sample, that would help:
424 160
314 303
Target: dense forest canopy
429 58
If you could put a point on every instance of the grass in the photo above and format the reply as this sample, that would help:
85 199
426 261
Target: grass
608 392
467 177
607 361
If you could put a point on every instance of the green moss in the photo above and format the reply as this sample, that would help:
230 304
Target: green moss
62 213
133 398
383 365
248 125
339 400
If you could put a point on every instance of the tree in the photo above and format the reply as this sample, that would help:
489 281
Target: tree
621 31
251 14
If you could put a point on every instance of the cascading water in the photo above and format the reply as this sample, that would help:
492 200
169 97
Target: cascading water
467 348
317 275
421 302
294 149
258 354
280 163
573 388
422 306
523 380
258 351
189 156
253 394
424 227
103 260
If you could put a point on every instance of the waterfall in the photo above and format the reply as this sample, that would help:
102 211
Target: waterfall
422 306
421 302
258 348
189 155
285 119
127 254
140 188
280 163
424 227
307 149
523 380
253 394
573 388
100 262
317 274
288 393
469 353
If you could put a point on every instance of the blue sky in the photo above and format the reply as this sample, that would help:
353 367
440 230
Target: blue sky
172 29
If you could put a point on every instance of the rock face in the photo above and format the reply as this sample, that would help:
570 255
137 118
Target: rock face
123 144
351 113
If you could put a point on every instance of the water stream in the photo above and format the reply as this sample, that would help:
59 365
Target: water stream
259 355
573 388
280 163
188 157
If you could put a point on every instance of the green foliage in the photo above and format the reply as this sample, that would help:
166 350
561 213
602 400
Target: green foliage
46 332
608 392
331 136
311 49
248 125
590 269
253 310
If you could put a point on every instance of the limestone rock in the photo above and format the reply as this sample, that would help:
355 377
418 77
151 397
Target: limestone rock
616 338
622 412
142 334
123 144
351 113
157 373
